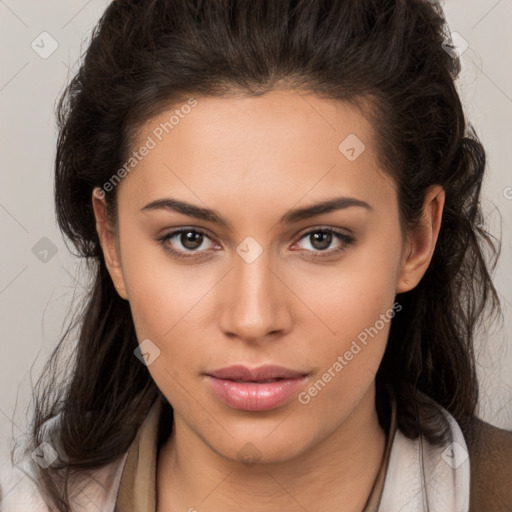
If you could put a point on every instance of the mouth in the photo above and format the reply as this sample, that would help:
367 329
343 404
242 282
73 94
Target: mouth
257 381
255 389
263 373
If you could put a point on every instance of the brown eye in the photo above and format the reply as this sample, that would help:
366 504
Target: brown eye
321 239
186 243
191 239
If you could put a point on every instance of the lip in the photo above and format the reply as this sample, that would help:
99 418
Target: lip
249 389
264 372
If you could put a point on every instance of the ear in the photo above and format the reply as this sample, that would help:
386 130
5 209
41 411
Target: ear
109 243
421 240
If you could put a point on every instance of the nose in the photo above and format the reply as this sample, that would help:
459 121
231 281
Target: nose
256 301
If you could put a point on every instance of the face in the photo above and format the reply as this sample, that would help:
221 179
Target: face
224 262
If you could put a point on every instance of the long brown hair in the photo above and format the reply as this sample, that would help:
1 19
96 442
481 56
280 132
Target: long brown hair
389 58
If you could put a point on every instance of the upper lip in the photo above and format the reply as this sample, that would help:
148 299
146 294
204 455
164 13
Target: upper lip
265 372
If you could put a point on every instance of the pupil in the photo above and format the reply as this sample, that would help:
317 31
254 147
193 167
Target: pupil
323 238
191 239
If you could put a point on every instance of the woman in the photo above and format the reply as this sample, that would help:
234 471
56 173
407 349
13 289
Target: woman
279 202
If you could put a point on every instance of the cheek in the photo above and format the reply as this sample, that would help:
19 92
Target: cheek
356 306
161 293
158 306
164 302
351 296
348 358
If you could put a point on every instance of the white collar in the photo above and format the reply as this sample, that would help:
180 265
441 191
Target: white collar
422 477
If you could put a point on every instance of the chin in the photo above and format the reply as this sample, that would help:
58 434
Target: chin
261 448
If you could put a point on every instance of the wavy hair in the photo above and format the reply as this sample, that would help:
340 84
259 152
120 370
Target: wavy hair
391 59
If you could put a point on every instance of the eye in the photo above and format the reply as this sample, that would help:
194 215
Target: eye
322 238
192 240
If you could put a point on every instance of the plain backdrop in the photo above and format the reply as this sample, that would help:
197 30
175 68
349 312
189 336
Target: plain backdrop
40 43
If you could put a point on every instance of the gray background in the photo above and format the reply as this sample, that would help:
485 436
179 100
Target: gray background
37 288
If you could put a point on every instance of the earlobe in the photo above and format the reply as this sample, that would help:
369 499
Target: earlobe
422 240
108 242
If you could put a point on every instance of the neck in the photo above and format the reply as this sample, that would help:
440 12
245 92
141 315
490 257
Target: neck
339 471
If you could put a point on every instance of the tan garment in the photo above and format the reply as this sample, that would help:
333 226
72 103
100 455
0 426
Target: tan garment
137 491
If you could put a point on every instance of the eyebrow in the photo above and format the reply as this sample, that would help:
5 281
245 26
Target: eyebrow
294 215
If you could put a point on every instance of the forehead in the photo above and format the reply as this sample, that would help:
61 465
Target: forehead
281 145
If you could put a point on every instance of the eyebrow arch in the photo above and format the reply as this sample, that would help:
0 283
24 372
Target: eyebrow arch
294 215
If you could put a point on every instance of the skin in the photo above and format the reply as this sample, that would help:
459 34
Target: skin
252 160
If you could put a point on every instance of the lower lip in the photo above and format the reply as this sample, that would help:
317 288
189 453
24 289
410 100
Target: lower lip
253 396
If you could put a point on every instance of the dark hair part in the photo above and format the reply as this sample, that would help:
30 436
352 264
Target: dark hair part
384 56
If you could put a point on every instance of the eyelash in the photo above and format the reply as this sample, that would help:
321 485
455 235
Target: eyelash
181 255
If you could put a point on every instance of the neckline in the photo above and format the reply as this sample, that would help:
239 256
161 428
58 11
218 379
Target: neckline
137 490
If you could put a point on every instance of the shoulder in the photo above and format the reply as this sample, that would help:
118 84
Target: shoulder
19 491
490 456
